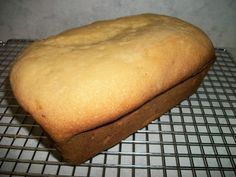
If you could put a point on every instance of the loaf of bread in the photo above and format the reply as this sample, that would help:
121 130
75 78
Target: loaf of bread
92 86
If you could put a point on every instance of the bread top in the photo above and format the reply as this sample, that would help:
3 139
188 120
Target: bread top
92 75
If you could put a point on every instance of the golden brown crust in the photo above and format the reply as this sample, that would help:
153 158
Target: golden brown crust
89 76
83 146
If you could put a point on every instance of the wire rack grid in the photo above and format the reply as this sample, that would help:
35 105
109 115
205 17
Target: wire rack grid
194 139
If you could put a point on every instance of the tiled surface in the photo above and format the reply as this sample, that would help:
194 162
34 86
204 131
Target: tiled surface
196 138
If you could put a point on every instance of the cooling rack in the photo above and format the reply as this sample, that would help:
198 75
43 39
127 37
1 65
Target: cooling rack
197 138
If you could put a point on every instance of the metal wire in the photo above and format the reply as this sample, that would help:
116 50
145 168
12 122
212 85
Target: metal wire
196 138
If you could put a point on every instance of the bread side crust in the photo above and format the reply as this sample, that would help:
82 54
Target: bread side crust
85 145
87 77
